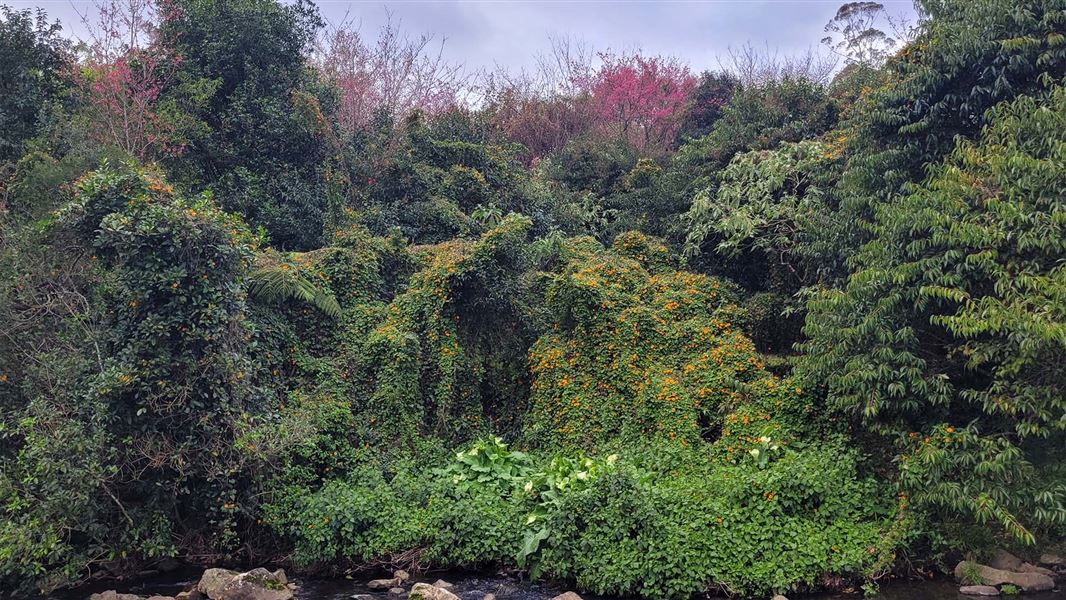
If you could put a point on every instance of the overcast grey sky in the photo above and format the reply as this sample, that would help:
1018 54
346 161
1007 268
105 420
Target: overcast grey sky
483 34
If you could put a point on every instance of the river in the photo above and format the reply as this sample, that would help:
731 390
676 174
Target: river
474 587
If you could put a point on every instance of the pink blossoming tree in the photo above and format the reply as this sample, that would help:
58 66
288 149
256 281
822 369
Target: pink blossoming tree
641 99
122 79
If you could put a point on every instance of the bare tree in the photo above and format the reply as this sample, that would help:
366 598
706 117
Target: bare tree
115 28
546 108
753 65
396 74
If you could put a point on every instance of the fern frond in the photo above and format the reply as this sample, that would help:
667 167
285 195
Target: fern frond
275 281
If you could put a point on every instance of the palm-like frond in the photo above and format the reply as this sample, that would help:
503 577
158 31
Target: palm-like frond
275 281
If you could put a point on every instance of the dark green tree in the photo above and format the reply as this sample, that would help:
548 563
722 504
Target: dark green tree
268 136
706 103
949 336
34 54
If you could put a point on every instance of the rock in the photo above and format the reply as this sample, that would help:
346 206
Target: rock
1031 568
567 596
193 594
489 597
213 580
424 591
779 597
382 584
257 584
113 595
168 564
361 597
397 591
1028 582
401 576
1053 560
1005 561
160 598
979 590
444 585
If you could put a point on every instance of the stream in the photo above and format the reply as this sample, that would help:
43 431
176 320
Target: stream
474 587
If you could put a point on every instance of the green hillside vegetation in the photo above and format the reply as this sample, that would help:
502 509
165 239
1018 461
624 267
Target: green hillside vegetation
788 333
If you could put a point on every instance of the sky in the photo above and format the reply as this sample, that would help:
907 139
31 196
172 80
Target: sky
509 34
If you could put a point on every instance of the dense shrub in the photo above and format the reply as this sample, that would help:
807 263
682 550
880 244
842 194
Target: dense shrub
637 349
158 373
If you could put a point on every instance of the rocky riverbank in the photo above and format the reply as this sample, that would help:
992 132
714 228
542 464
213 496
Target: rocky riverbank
223 584
1009 574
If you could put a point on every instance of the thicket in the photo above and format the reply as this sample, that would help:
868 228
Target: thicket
648 332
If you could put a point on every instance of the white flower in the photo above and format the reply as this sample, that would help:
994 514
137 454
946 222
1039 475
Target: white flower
764 439
529 486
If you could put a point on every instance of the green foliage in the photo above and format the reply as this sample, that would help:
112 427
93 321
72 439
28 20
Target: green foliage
435 178
149 407
362 520
274 281
765 200
750 531
971 574
169 387
265 140
954 316
968 57
759 117
30 75
637 350
706 103
487 463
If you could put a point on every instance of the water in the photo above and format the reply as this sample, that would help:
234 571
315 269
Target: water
474 587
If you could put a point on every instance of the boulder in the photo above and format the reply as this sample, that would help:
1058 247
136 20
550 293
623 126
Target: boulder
444 585
1005 561
361 597
113 595
979 590
779 597
382 584
213 580
193 594
567 596
397 591
1053 560
424 591
489 597
401 575
1028 582
257 584
160 598
1031 568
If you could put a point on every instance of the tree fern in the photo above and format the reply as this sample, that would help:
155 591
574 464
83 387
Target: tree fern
277 281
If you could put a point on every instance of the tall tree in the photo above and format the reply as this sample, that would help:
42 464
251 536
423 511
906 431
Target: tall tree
268 135
34 55
853 34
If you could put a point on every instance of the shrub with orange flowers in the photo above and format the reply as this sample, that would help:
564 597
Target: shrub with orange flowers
636 350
